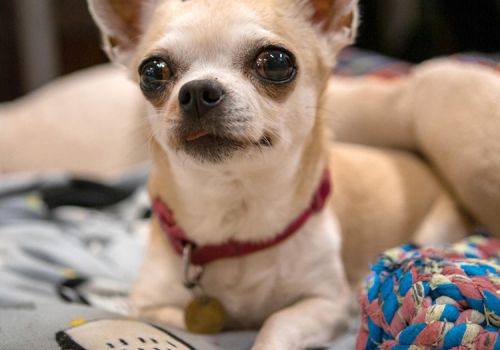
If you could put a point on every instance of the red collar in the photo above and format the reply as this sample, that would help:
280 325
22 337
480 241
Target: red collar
202 255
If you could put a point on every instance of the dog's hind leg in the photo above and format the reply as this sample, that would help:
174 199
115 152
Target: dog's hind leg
443 224
447 111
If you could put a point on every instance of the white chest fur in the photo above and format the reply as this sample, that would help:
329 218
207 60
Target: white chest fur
255 286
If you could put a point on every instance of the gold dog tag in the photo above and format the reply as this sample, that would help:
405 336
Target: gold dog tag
205 315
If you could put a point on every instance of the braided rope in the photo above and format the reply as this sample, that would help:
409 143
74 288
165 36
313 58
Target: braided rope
420 299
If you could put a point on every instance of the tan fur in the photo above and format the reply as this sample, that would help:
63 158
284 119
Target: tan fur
373 184
448 111
297 291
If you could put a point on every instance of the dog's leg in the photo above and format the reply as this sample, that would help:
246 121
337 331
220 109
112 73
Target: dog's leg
158 295
309 322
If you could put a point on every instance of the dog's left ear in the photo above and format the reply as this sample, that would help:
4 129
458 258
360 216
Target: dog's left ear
121 23
337 20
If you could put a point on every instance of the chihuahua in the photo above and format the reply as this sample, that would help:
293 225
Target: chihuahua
246 183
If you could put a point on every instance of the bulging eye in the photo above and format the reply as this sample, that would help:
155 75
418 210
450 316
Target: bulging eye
154 73
275 65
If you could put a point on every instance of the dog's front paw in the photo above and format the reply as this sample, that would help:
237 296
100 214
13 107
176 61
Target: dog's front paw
273 344
281 346
167 315
267 347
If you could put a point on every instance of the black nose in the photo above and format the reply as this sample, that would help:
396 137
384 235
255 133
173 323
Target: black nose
198 97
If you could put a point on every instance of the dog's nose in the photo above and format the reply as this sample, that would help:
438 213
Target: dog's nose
197 97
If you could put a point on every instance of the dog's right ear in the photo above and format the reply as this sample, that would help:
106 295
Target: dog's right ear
121 23
336 20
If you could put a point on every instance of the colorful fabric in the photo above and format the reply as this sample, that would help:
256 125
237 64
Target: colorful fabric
432 298
488 61
354 62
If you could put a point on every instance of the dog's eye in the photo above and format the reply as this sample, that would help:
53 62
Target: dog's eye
154 73
275 65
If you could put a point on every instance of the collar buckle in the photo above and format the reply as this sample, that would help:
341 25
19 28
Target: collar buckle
191 278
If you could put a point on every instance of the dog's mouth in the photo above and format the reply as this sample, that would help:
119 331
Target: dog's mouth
208 146
196 135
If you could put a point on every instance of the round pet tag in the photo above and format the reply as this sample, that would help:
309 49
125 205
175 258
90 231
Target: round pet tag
205 315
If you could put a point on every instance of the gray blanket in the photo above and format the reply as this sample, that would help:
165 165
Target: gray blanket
68 255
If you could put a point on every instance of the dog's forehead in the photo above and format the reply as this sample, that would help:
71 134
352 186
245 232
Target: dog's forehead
195 29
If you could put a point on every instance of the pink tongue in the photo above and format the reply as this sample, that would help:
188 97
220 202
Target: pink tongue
196 135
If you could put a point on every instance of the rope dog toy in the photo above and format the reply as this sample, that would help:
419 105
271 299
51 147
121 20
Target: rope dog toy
433 298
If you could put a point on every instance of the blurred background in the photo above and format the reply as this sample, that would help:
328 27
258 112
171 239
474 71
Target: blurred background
43 39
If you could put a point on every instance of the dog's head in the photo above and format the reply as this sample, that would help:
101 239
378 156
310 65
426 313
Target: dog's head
228 79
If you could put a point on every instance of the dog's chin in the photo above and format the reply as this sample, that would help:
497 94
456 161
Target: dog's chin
220 148
212 148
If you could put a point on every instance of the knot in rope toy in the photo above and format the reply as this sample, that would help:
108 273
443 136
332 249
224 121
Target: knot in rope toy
446 298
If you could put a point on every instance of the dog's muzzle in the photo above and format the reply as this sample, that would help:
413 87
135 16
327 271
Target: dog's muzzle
204 131
207 129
